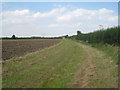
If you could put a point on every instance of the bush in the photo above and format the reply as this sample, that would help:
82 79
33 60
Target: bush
108 36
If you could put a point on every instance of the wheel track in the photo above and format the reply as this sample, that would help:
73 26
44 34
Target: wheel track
87 72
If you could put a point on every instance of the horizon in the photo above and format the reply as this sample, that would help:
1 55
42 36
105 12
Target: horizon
53 19
52 36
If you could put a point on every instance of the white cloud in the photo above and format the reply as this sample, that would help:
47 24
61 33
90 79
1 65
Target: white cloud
25 15
22 12
61 14
61 20
113 18
65 18
53 12
14 17
12 21
56 25
101 14
16 12
104 11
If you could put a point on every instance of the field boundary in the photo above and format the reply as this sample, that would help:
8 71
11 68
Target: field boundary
30 53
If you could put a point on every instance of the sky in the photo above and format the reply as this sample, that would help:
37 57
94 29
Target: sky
49 19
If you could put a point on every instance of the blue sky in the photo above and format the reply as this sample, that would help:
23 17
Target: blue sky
57 18
43 6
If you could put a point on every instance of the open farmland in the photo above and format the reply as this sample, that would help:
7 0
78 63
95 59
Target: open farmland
68 64
14 48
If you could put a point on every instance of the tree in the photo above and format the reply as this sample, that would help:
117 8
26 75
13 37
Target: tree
66 36
78 32
13 36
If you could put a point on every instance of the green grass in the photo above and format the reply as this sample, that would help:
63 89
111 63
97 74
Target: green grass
58 66
106 62
106 71
49 68
109 50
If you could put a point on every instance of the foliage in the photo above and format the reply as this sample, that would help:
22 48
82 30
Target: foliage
66 36
60 37
78 32
13 37
108 36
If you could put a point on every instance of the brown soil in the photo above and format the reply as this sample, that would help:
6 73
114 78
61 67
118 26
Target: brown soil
82 79
14 48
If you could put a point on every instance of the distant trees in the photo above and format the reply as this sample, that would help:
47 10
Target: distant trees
78 33
13 37
66 36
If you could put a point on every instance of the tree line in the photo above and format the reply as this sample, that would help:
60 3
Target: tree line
107 36
34 37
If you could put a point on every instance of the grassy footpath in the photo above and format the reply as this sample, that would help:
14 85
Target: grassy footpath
67 64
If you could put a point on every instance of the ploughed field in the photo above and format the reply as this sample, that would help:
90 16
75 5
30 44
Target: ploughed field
68 64
14 48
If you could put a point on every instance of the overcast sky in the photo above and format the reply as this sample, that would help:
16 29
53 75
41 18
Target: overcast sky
56 19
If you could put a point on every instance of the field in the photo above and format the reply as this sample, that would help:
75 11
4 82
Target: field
68 64
14 48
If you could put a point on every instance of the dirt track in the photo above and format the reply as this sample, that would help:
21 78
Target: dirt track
68 64
87 72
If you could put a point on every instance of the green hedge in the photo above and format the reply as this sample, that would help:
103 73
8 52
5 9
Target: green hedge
108 36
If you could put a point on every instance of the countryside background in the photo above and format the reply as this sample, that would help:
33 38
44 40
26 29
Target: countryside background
66 54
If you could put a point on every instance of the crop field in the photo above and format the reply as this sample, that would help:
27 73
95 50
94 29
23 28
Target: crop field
71 45
67 64
14 48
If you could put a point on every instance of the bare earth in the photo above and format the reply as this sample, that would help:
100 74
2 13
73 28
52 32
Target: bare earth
14 48
68 64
